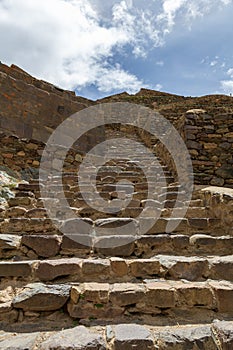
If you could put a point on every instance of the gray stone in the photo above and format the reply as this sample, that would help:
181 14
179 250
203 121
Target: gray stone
78 338
185 338
189 268
222 268
216 181
77 226
132 336
226 172
9 241
222 333
18 341
116 227
76 243
40 297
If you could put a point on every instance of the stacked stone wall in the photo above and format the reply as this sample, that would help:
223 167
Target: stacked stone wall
21 157
32 108
209 139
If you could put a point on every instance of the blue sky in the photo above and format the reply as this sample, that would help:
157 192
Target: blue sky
99 48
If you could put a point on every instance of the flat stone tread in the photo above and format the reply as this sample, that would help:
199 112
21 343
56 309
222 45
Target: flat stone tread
124 337
178 267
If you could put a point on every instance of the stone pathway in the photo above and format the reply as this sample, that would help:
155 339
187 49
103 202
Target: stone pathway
130 290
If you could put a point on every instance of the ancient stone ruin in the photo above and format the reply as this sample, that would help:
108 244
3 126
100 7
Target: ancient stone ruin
156 290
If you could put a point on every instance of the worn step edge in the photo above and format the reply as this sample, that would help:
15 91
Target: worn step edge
117 269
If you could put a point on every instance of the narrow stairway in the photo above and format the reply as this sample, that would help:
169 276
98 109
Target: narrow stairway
134 289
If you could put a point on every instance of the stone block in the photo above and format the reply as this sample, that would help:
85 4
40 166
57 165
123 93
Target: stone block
49 270
41 297
124 294
132 336
44 246
78 338
16 269
159 295
144 267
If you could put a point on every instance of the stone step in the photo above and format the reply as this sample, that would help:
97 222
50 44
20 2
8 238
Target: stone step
123 336
50 245
104 301
192 212
146 223
25 225
186 225
114 269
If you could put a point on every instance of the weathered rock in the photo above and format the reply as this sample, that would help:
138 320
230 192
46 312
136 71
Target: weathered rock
94 292
15 269
192 269
224 295
131 336
222 268
184 338
77 227
226 172
15 212
115 245
9 241
49 270
76 244
159 295
123 294
39 297
116 227
222 333
45 246
79 338
194 294
14 341
95 268
36 213
88 310
144 267
119 266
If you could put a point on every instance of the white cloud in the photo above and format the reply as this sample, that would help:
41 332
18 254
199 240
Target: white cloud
158 87
160 63
213 63
73 43
230 72
227 86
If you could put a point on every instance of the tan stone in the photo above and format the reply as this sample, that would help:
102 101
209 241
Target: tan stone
119 267
144 267
123 294
195 294
160 294
223 292
88 310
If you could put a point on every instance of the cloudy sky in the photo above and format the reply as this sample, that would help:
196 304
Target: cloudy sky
101 47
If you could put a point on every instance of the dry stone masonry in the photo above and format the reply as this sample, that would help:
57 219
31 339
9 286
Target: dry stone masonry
154 290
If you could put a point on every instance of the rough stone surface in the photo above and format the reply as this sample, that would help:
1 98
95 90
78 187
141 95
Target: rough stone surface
78 338
18 341
39 297
49 270
9 241
222 333
15 269
45 246
185 338
132 336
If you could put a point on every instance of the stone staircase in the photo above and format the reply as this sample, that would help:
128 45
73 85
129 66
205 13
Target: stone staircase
129 290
